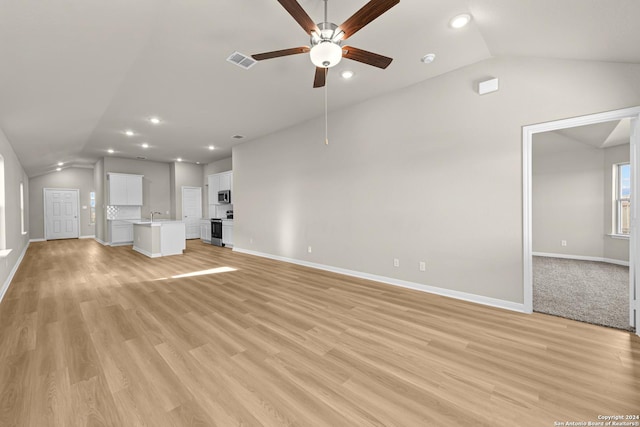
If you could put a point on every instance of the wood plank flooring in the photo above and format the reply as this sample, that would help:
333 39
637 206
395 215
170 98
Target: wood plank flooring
101 336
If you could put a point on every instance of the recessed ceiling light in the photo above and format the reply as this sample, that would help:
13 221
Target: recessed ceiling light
428 58
145 145
347 74
179 159
60 163
110 151
154 120
197 163
58 169
460 21
129 133
211 147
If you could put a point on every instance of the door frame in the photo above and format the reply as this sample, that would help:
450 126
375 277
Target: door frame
632 113
44 207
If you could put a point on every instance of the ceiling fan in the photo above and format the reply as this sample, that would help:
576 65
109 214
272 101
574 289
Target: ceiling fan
326 38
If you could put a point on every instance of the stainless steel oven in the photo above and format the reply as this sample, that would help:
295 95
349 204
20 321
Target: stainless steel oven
216 232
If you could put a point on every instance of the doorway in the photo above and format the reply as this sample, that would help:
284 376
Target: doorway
192 210
580 226
61 219
633 114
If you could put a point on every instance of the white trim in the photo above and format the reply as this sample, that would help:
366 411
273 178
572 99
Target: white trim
7 283
479 299
527 178
5 252
582 258
619 236
120 244
87 237
147 253
102 242
37 240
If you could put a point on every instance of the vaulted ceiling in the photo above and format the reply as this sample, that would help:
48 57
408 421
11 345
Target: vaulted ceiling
76 74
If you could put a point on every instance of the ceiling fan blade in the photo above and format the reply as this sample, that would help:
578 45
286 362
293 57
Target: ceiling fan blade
298 13
364 16
321 77
366 57
279 53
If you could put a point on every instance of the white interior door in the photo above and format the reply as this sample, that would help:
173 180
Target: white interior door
61 214
192 211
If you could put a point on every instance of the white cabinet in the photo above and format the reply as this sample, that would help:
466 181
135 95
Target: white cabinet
219 182
214 184
205 231
125 189
225 181
227 232
120 232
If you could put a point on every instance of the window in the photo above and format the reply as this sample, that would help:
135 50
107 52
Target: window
22 227
92 207
622 199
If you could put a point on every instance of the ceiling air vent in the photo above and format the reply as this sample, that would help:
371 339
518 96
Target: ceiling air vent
241 60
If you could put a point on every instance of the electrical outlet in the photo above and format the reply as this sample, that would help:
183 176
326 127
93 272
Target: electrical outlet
309 249
250 239
423 266
396 262
563 243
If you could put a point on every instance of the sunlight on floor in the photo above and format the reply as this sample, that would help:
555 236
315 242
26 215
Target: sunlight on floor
205 272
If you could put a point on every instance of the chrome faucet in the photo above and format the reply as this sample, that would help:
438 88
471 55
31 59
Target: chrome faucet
154 213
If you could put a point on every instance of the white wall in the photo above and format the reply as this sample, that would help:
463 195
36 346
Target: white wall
73 178
568 197
430 173
572 197
99 179
13 238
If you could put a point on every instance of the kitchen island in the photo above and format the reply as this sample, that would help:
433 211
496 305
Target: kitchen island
159 238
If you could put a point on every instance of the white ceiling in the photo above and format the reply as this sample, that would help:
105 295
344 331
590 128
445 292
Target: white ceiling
600 135
76 74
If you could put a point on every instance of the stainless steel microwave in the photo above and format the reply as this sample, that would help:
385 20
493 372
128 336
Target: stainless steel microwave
224 196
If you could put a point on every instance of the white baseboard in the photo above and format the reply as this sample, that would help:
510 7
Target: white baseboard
5 285
479 299
81 237
147 253
102 242
582 258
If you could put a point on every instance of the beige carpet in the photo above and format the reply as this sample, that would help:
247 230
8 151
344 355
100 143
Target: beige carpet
589 291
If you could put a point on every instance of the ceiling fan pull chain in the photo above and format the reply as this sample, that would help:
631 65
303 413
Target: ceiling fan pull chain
326 109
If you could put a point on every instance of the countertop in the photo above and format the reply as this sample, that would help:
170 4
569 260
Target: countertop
156 222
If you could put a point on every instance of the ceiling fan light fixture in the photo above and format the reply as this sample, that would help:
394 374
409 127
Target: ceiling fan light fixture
326 54
338 34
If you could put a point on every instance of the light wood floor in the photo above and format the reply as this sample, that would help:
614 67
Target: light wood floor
99 336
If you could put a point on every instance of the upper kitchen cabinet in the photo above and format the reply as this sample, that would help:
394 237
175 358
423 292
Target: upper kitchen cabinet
219 182
125 189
